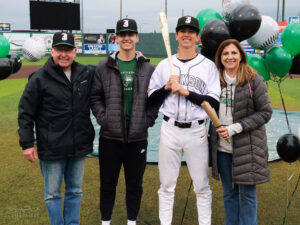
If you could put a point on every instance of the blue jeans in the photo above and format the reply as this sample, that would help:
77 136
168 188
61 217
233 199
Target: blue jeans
240 201
53 172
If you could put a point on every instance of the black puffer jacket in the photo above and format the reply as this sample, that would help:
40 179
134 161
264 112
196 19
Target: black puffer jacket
108 103
253 110
60 111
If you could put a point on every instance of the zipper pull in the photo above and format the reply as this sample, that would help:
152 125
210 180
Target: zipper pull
79 91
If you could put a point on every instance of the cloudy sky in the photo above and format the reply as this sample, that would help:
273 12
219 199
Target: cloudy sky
99 15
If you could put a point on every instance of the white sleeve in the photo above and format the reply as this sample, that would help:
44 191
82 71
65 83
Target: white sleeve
158 78
234 128
214 87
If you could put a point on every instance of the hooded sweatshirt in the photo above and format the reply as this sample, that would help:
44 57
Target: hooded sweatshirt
225 113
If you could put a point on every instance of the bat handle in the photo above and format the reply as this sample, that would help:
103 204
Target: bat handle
227 139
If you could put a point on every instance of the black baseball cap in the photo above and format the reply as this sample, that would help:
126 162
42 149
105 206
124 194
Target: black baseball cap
126 25
188 21
63 38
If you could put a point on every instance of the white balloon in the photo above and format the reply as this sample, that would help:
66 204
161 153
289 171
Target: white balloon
34 49
230 5
267 34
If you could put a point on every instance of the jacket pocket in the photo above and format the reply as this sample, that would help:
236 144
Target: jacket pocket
102 119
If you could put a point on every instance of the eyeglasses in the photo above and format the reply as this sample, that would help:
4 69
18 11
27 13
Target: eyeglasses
66 50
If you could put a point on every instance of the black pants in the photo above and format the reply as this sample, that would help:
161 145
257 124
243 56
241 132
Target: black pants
112 154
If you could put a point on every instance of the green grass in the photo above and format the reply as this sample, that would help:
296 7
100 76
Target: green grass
21 184
290 92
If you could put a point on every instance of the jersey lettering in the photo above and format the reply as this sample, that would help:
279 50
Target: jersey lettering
193 81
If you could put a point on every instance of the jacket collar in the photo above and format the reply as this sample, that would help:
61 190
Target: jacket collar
56 72
112 59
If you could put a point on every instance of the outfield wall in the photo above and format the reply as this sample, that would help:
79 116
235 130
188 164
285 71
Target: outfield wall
150 44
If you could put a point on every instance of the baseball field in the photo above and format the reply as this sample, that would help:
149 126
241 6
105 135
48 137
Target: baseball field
21 184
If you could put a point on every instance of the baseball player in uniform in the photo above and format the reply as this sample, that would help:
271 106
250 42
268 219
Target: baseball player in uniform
183 128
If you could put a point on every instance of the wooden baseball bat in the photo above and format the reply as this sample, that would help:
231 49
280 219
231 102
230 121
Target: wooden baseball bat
165 34
210 111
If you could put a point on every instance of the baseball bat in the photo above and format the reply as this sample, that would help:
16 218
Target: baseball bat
165 34
210 111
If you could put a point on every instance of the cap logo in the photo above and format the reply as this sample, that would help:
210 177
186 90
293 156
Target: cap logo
126 23
64 37
188 19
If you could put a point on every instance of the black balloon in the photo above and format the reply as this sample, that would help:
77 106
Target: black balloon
5 68
212 34
245 21
288 147
295 69
16 62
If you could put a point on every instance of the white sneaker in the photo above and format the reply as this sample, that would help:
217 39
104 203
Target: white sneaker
130 222
105 222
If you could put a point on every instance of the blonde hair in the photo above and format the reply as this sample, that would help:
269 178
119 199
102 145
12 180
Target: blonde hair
245 72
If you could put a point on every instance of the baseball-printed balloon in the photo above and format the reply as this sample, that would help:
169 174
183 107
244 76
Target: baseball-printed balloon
34 49
230 5
267 34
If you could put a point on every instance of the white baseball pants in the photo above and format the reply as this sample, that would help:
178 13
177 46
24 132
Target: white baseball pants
193 143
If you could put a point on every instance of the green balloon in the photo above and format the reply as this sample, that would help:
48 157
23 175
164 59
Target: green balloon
278 61
258 63
291 38
4 46
206 15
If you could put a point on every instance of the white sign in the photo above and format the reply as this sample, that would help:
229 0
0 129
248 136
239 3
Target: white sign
16 40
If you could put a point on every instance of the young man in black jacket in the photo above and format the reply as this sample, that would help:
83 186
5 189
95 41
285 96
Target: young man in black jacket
56 102
119 102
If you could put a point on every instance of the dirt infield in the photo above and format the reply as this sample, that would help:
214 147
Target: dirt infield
25 71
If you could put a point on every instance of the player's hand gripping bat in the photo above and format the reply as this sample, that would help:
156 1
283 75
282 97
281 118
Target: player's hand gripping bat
212 115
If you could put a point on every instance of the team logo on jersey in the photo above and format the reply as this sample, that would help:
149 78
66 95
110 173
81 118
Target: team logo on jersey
188 19
127 80
64 37
126 23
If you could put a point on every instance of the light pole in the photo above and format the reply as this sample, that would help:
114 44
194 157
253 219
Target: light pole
82 29
120 9
166 7
277 17
283 9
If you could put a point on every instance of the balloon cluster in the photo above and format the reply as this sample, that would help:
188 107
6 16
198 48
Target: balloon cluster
242 21
34 49
9 63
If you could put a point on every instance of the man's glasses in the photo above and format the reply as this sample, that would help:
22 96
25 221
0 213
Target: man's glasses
61 50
